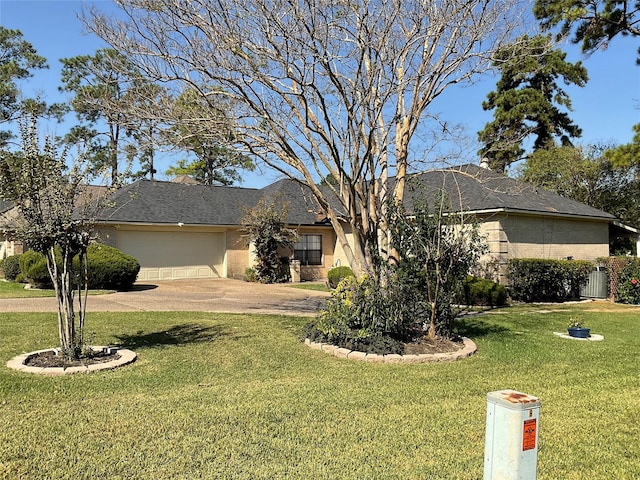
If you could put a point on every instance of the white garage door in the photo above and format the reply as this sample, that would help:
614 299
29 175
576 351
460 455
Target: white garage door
174 255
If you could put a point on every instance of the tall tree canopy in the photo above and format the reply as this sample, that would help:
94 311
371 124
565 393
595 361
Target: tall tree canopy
594 22
106 87
588 176
334 87
527 100
205 129
626 155
18 60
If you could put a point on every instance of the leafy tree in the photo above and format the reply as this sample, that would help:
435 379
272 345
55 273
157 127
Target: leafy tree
435 251
595 22
527 100
323 87
587 175
47 194
105 87
626 155
18 60
265 227
205 129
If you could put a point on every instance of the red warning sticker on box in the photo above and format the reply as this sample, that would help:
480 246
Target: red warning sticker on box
529 435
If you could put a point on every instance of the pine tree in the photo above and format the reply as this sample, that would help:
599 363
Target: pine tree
527 100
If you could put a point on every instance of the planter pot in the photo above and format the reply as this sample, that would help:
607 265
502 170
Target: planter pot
579 332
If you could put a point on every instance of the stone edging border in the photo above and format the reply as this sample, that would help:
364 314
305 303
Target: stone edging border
18 363
467 350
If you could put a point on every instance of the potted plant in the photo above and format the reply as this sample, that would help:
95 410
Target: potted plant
577 329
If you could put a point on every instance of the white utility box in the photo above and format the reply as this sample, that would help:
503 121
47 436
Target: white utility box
511 443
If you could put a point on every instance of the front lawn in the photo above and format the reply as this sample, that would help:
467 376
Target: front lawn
240 397
17 290
317 286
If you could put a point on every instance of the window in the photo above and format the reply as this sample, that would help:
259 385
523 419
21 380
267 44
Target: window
308 250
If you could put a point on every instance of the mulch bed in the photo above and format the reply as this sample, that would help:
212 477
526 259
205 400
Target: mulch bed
49 359
425 345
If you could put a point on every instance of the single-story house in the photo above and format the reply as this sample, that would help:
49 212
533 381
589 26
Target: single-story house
184 230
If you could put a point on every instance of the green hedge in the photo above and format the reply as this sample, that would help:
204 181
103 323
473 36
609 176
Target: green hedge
11 267
336 274
542 280
34 270
109 268
481 291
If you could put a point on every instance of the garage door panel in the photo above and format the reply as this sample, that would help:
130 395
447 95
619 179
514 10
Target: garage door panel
173 255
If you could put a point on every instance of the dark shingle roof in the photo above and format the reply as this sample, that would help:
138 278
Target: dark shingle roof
156 202
148 201
475 189
470 188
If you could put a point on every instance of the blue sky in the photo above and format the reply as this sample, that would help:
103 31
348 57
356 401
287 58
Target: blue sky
605 109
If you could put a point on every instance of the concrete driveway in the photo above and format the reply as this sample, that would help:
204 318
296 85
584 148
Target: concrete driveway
204 295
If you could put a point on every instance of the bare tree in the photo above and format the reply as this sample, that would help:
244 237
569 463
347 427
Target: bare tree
328 87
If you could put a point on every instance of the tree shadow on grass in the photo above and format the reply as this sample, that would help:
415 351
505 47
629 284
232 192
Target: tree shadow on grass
474 327
182 334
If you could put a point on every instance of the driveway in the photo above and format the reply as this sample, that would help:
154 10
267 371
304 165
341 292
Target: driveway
204 295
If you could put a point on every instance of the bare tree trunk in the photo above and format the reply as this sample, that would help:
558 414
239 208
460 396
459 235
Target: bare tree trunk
61 276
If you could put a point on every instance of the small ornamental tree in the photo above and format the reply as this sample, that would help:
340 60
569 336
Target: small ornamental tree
436 250
47 192
264 226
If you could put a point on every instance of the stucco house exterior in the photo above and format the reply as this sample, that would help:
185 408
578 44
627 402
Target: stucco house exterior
184 230
8 245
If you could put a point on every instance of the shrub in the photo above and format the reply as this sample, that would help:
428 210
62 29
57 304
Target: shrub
250 275
624 273
543 280
481 291
337 274
110 269
33 266
435 254
360 316
265 227
11 267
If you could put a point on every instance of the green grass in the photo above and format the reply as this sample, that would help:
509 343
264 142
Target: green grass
319 287
17 290
239 397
